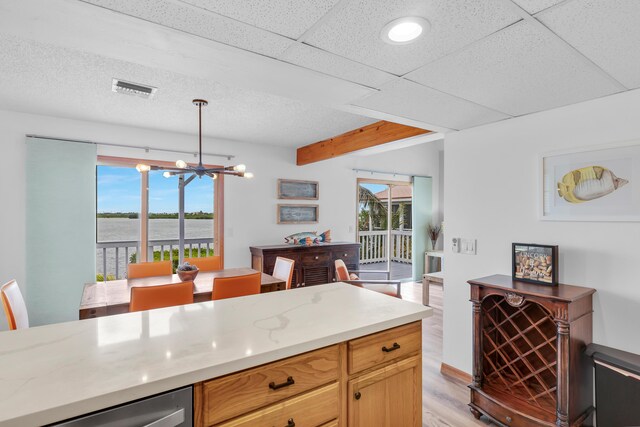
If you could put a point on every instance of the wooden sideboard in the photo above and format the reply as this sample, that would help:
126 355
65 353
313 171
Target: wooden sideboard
314 265
529 364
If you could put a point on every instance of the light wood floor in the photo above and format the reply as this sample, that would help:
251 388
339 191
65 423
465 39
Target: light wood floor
444 400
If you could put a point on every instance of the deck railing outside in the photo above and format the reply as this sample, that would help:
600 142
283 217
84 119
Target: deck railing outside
373 246
113 257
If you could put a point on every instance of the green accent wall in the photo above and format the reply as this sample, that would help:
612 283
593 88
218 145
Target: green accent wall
61 228
422 212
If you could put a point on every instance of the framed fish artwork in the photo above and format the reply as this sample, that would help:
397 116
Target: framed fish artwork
593 184
535 263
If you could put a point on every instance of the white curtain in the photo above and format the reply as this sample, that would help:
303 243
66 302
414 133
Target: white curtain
421 212
61 227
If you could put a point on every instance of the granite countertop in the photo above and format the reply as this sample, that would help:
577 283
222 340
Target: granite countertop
54 372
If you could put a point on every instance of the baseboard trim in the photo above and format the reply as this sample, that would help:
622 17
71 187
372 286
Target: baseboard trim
455 373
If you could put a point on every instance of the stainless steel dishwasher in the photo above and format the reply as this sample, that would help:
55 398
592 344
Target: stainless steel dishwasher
170 409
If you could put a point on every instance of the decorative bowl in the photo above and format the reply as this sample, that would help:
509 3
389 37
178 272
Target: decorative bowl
187 276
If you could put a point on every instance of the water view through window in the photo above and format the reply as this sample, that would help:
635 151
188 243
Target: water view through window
118 222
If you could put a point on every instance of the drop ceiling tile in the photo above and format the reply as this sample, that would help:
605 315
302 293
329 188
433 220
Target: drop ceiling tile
607 32
413 101
355 32
519 70
203 24
287 17
334 65
535 6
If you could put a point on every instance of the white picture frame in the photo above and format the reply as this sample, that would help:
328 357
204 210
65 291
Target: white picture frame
622 204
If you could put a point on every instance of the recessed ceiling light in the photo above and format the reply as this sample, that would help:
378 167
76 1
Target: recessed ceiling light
404 30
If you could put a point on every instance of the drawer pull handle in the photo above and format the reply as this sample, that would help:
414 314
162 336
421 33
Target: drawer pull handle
508 419
274 386
316 257
290 423
357 395
394 347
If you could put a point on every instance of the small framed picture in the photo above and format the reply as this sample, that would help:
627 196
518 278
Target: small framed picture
298 214
535 263
293 189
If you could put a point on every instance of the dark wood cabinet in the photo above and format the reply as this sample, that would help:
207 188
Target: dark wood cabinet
314 264
529 364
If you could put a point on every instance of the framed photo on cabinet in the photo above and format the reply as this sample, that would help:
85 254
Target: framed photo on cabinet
599 183
535 263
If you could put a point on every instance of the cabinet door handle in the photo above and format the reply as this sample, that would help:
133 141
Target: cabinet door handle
345 255
357 395
394 347
290 423
316 257
274 386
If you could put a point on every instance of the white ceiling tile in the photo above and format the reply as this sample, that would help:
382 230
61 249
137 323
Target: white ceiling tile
287 17
535 6
334 65
519 70
355 32
45 79
197 22
607 32
413 101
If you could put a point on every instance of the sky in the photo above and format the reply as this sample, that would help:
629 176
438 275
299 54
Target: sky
119 191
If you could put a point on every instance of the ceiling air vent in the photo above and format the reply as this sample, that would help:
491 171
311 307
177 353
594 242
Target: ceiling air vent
129 88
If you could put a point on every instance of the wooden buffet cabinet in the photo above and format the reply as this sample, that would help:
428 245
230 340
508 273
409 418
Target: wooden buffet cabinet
314 265
529 365
372 381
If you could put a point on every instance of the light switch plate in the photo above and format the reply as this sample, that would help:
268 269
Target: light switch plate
455 244
468 246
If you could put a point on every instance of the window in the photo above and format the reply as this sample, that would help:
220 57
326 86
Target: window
121 223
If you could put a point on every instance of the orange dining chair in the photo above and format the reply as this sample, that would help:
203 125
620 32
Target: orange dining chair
236 286
283 270
148 269
14 306
150 297
387 287
206 263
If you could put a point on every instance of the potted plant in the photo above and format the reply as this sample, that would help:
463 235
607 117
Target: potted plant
187 272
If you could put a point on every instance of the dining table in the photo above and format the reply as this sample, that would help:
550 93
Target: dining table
113 297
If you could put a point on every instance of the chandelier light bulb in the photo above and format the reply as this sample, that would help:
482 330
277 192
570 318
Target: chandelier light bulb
167 174
143 168
248 175
181 164
240 168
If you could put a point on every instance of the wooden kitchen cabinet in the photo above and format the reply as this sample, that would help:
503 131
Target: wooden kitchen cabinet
372 381
314 265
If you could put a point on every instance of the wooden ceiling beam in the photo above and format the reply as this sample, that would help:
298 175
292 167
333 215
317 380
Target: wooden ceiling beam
368 136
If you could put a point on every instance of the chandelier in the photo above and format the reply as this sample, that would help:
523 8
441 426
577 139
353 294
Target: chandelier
183 168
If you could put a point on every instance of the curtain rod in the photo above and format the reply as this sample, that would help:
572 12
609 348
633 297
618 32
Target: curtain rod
389 173
146 149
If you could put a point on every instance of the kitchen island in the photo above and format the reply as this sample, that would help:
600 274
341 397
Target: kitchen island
55 372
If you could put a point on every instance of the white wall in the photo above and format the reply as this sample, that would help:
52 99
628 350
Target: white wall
491 175
250 205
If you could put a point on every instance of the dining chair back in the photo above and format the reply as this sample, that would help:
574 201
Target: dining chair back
159 296
236 286
283 270
387 287
206 263
14 307
342 273
148 269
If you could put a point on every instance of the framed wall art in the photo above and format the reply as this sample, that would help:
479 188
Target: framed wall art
298 214
535 263
292 189
593 184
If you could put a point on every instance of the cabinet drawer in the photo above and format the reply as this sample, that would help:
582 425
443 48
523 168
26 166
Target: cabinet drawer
312 409
385 346
346 254
237 394
506 416
315 258
333 423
